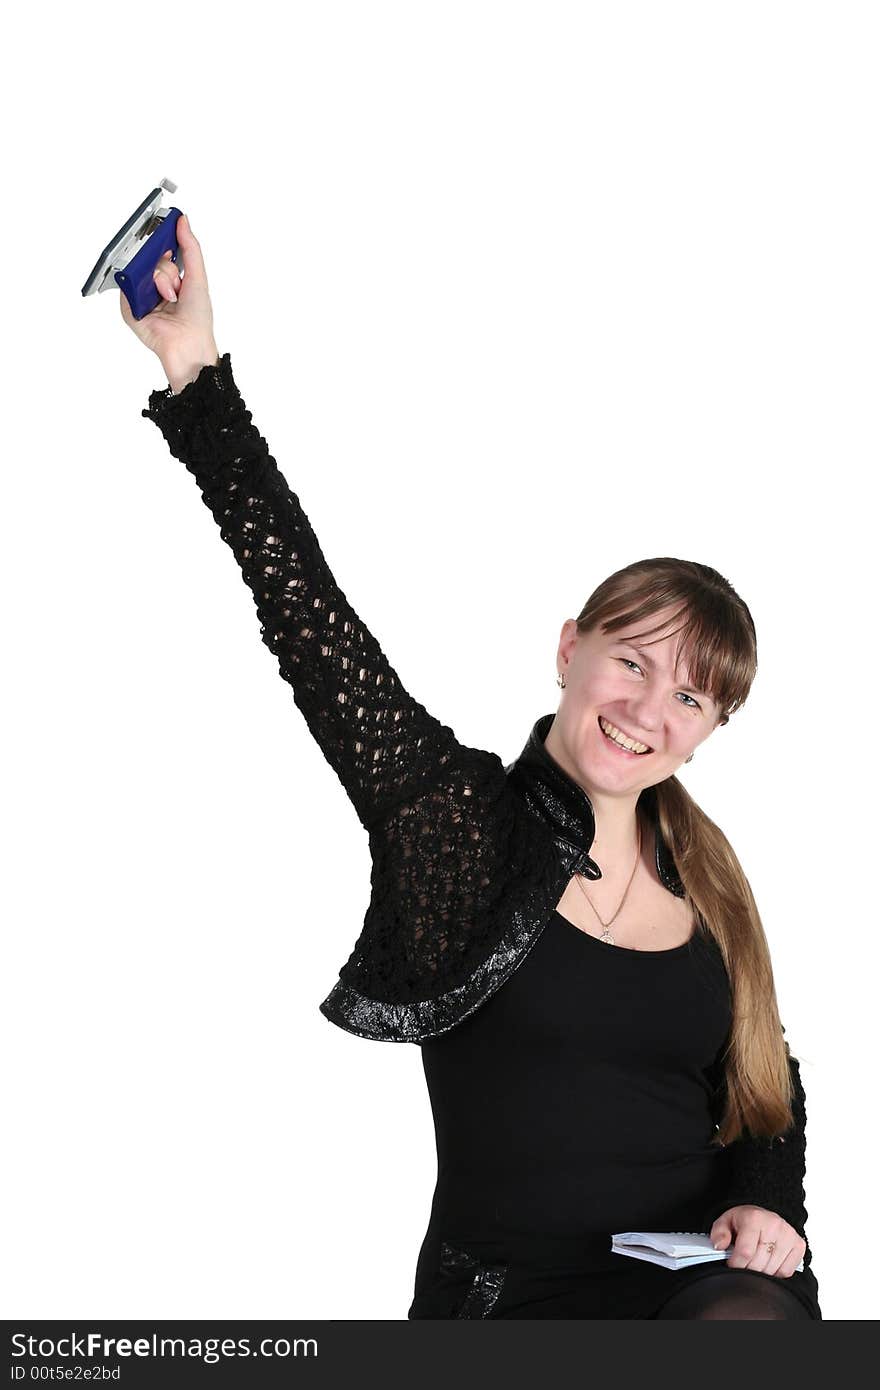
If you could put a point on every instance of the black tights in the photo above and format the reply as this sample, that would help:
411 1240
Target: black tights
735 1293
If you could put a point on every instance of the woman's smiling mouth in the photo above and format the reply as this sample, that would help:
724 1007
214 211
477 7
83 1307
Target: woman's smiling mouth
628 747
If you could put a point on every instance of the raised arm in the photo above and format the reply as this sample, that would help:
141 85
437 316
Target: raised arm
383 745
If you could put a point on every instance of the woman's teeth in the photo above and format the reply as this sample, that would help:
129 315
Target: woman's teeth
614 735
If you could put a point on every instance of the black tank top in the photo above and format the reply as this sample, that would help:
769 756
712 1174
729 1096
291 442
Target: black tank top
575 1101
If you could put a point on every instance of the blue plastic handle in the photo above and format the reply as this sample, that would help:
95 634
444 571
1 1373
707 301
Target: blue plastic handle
136 280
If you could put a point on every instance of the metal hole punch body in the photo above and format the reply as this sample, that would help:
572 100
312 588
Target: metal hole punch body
130 258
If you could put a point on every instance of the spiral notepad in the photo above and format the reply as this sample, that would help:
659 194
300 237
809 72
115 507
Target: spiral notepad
671 1249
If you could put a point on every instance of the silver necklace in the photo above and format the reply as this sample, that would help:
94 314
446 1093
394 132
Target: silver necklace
606 935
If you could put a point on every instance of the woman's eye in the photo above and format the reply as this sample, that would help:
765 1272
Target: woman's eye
627 662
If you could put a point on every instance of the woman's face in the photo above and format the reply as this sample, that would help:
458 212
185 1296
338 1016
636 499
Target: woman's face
607 680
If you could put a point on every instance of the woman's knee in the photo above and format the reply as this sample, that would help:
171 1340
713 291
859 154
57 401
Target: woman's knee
735 1293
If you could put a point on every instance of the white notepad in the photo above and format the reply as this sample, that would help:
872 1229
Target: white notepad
671 1249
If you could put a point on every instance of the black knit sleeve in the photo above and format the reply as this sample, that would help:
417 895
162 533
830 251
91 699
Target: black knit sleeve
382 744
770 1173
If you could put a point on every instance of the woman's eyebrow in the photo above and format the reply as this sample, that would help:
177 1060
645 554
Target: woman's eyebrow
649 661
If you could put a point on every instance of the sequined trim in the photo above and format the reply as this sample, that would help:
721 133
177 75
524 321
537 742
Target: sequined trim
427 1018
486 1283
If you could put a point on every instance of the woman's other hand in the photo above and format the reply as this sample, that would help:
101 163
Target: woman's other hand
180 330
755 1229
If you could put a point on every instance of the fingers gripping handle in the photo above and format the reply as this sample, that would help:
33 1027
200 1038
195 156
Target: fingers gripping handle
136 280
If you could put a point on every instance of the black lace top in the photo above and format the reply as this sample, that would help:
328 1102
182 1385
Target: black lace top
469 857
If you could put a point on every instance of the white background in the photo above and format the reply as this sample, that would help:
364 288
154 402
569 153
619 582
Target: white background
517 294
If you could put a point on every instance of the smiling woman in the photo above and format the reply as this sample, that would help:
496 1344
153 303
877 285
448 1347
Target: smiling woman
700 669
556 1114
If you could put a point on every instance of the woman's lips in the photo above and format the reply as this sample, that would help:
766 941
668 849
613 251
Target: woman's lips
624 752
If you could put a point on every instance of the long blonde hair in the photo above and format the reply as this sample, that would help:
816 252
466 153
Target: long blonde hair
718 634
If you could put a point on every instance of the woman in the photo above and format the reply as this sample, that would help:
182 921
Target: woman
569 939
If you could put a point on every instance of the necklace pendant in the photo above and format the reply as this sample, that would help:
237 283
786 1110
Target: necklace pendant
607 937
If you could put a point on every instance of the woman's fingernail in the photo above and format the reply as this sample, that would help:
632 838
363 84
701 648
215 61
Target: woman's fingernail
172 296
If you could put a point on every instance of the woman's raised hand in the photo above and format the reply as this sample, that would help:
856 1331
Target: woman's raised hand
180 330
